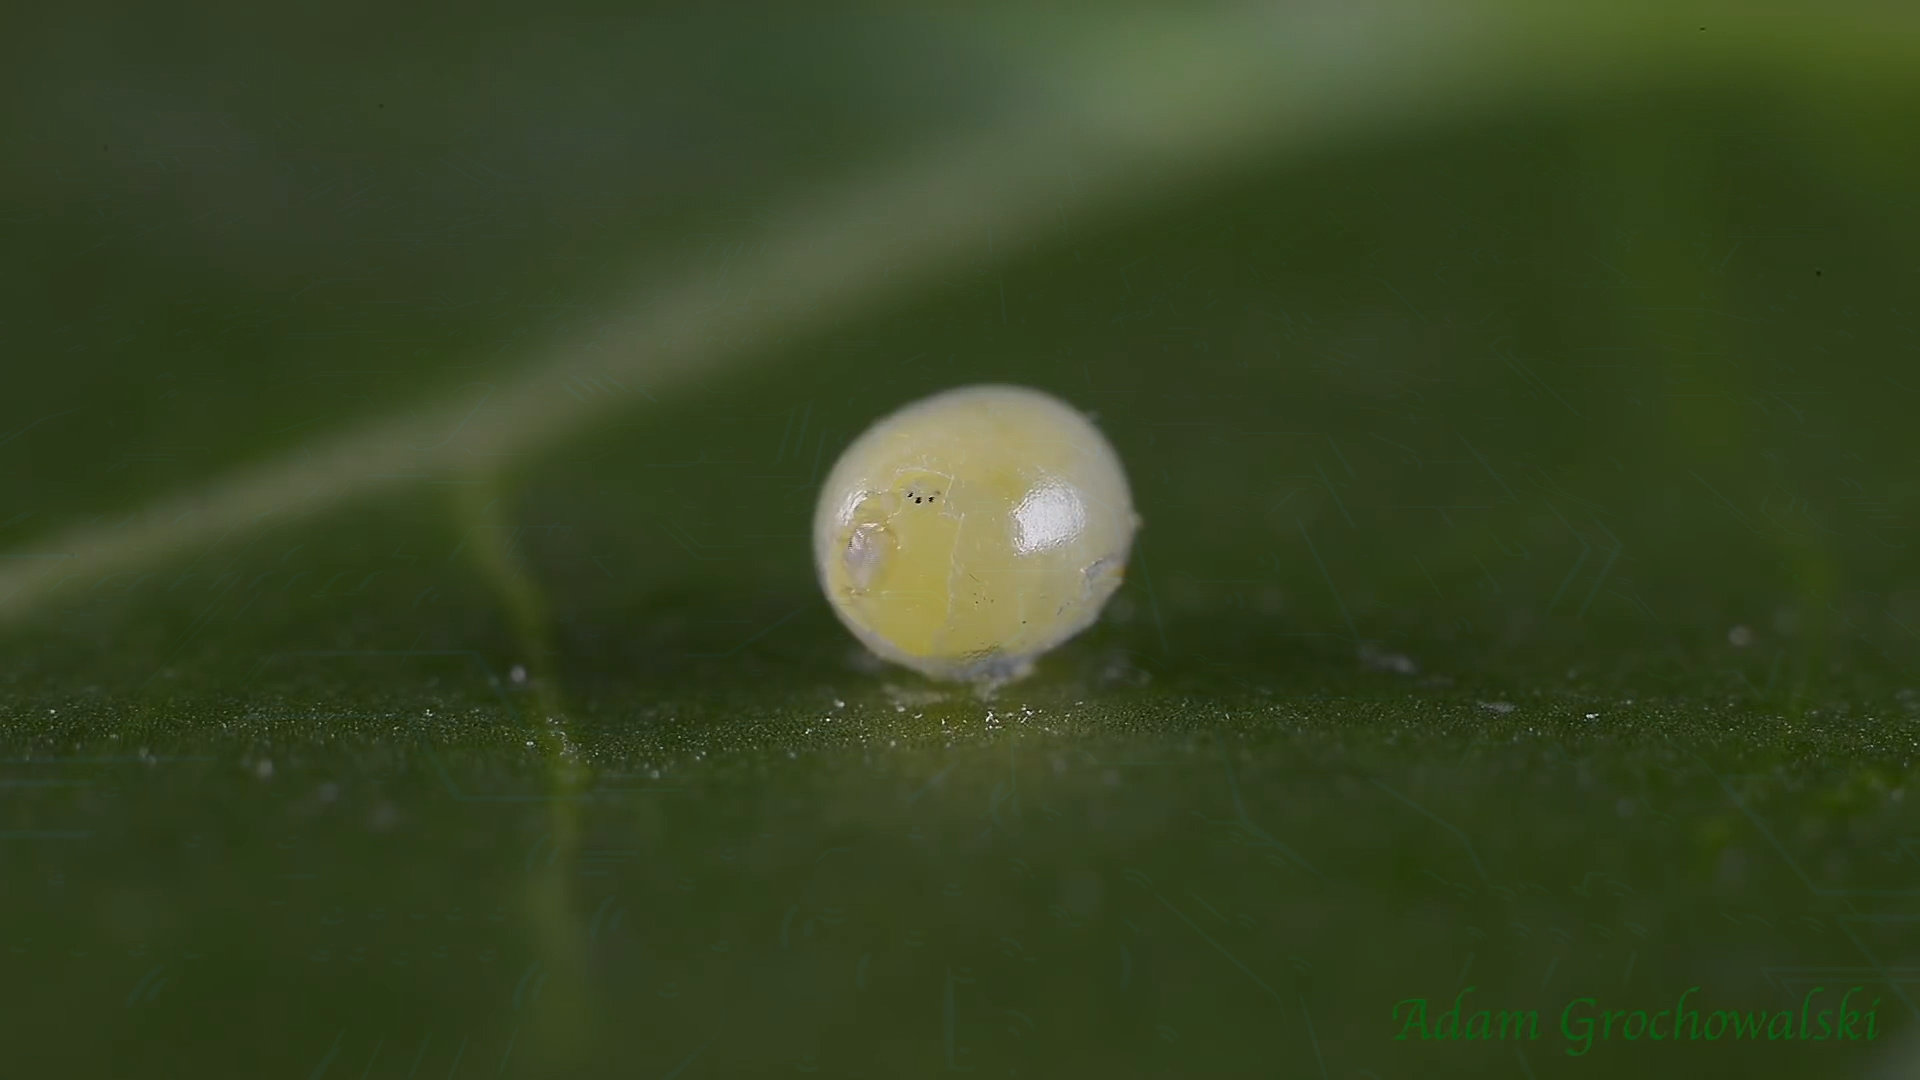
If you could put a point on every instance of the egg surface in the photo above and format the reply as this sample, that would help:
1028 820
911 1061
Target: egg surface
969 532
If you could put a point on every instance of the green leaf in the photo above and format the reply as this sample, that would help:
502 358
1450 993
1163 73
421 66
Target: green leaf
411 661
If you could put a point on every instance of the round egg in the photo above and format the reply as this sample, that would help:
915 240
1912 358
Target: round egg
971 531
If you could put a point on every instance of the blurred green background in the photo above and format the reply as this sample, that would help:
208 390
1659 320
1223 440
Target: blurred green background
410 658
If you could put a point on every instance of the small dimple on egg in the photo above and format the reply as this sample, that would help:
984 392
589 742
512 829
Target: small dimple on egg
866 549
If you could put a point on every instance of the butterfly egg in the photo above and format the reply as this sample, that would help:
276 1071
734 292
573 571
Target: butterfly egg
969 532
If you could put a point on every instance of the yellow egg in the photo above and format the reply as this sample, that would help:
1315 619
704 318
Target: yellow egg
971 531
